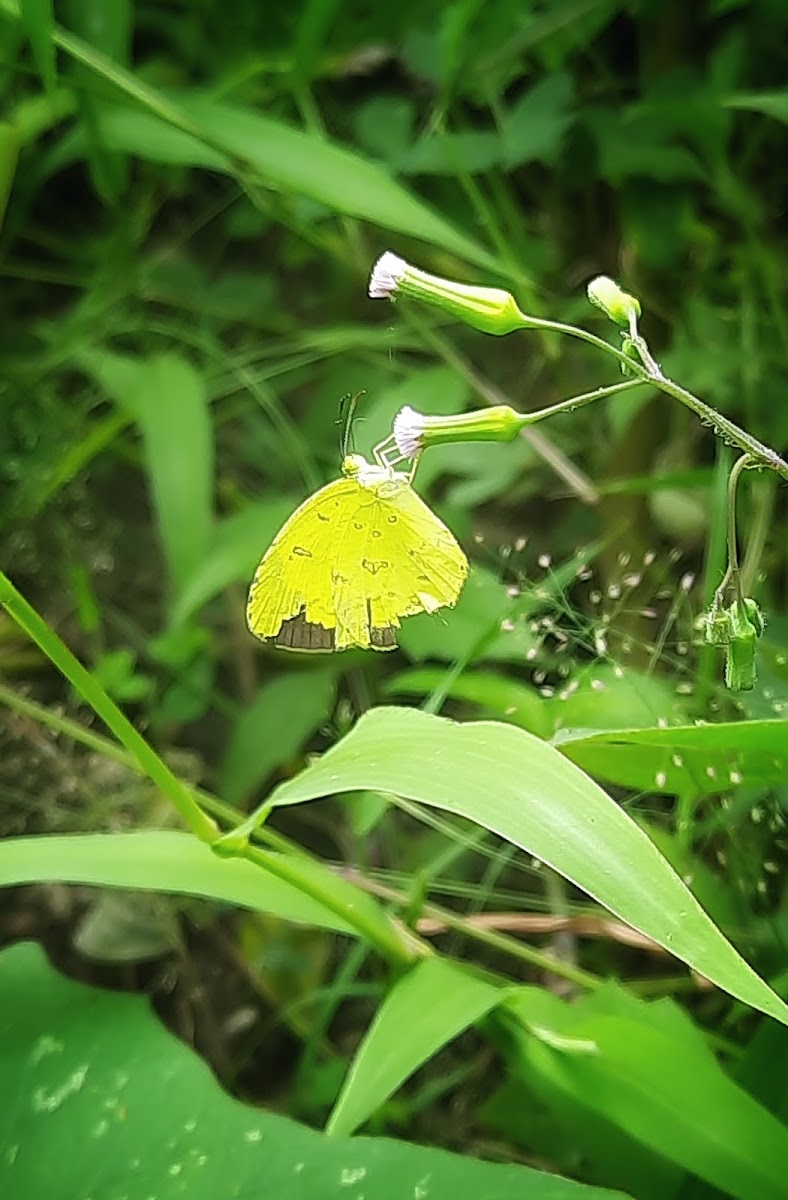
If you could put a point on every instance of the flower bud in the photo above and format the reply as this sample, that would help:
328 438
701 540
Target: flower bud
490 310
747 625
616 303
414 432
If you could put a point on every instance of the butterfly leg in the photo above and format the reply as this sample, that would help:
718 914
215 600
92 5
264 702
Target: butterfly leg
387 456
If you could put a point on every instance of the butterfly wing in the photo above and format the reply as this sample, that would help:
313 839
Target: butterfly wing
290 600
350 562
395 559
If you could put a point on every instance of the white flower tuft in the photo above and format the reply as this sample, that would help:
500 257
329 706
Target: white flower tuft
408 431
386 276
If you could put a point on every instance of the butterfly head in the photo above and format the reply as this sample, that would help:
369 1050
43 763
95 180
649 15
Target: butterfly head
355 466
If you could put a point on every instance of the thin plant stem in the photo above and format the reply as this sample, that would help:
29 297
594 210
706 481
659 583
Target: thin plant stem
733 487
568 406
761 455
714 569
93 693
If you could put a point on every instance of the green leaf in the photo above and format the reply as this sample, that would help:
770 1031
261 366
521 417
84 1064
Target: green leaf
697 759
288 160
606 696
487 622
9 155
496 695
236 546
647 1069
101 1101
274 728
771 104
435 1001
453 154
522 789
167 399
160 861
38 24
534 127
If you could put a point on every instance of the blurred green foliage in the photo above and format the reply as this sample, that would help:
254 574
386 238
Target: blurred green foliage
194 194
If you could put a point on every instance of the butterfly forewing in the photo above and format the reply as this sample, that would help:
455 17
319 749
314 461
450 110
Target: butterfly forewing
409 563
350 562
295 571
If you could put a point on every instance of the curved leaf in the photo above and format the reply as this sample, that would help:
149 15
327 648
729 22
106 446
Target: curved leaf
524 790
160 861
101 1101
698 759
435 1001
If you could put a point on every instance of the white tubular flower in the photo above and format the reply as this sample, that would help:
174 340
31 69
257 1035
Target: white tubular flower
414 432
408 431
386 275
491 310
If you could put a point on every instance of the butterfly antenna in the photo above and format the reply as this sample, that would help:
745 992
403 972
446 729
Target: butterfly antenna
347 409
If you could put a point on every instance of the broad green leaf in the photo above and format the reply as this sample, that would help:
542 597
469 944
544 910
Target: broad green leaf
288 160
699 759
168 400
535 125
453 154
763 1068
167 862
771 104
549 1123
605 696
38 25
434 1002
102 1101
9 154
488 622
517 786
275 726
236 546
648 1070
109 28
496 695
530 1104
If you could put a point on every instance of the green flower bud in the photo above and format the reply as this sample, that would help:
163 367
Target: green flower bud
754 615
414 432
614 302
740 673
747 625
490 310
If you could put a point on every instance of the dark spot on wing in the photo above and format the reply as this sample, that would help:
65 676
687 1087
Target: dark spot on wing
384 638
302 552
299 634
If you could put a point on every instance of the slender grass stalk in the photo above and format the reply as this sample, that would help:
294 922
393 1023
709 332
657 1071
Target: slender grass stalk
93 693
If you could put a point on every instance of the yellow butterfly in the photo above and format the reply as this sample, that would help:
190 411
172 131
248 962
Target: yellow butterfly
354 558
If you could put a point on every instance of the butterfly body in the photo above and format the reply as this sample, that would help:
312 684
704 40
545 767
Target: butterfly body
357 556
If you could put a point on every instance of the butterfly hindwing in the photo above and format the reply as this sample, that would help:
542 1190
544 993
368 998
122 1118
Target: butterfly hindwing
409 563
350 562
295 571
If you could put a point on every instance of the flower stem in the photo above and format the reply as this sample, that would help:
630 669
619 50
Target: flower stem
648 371
613 389
91 690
